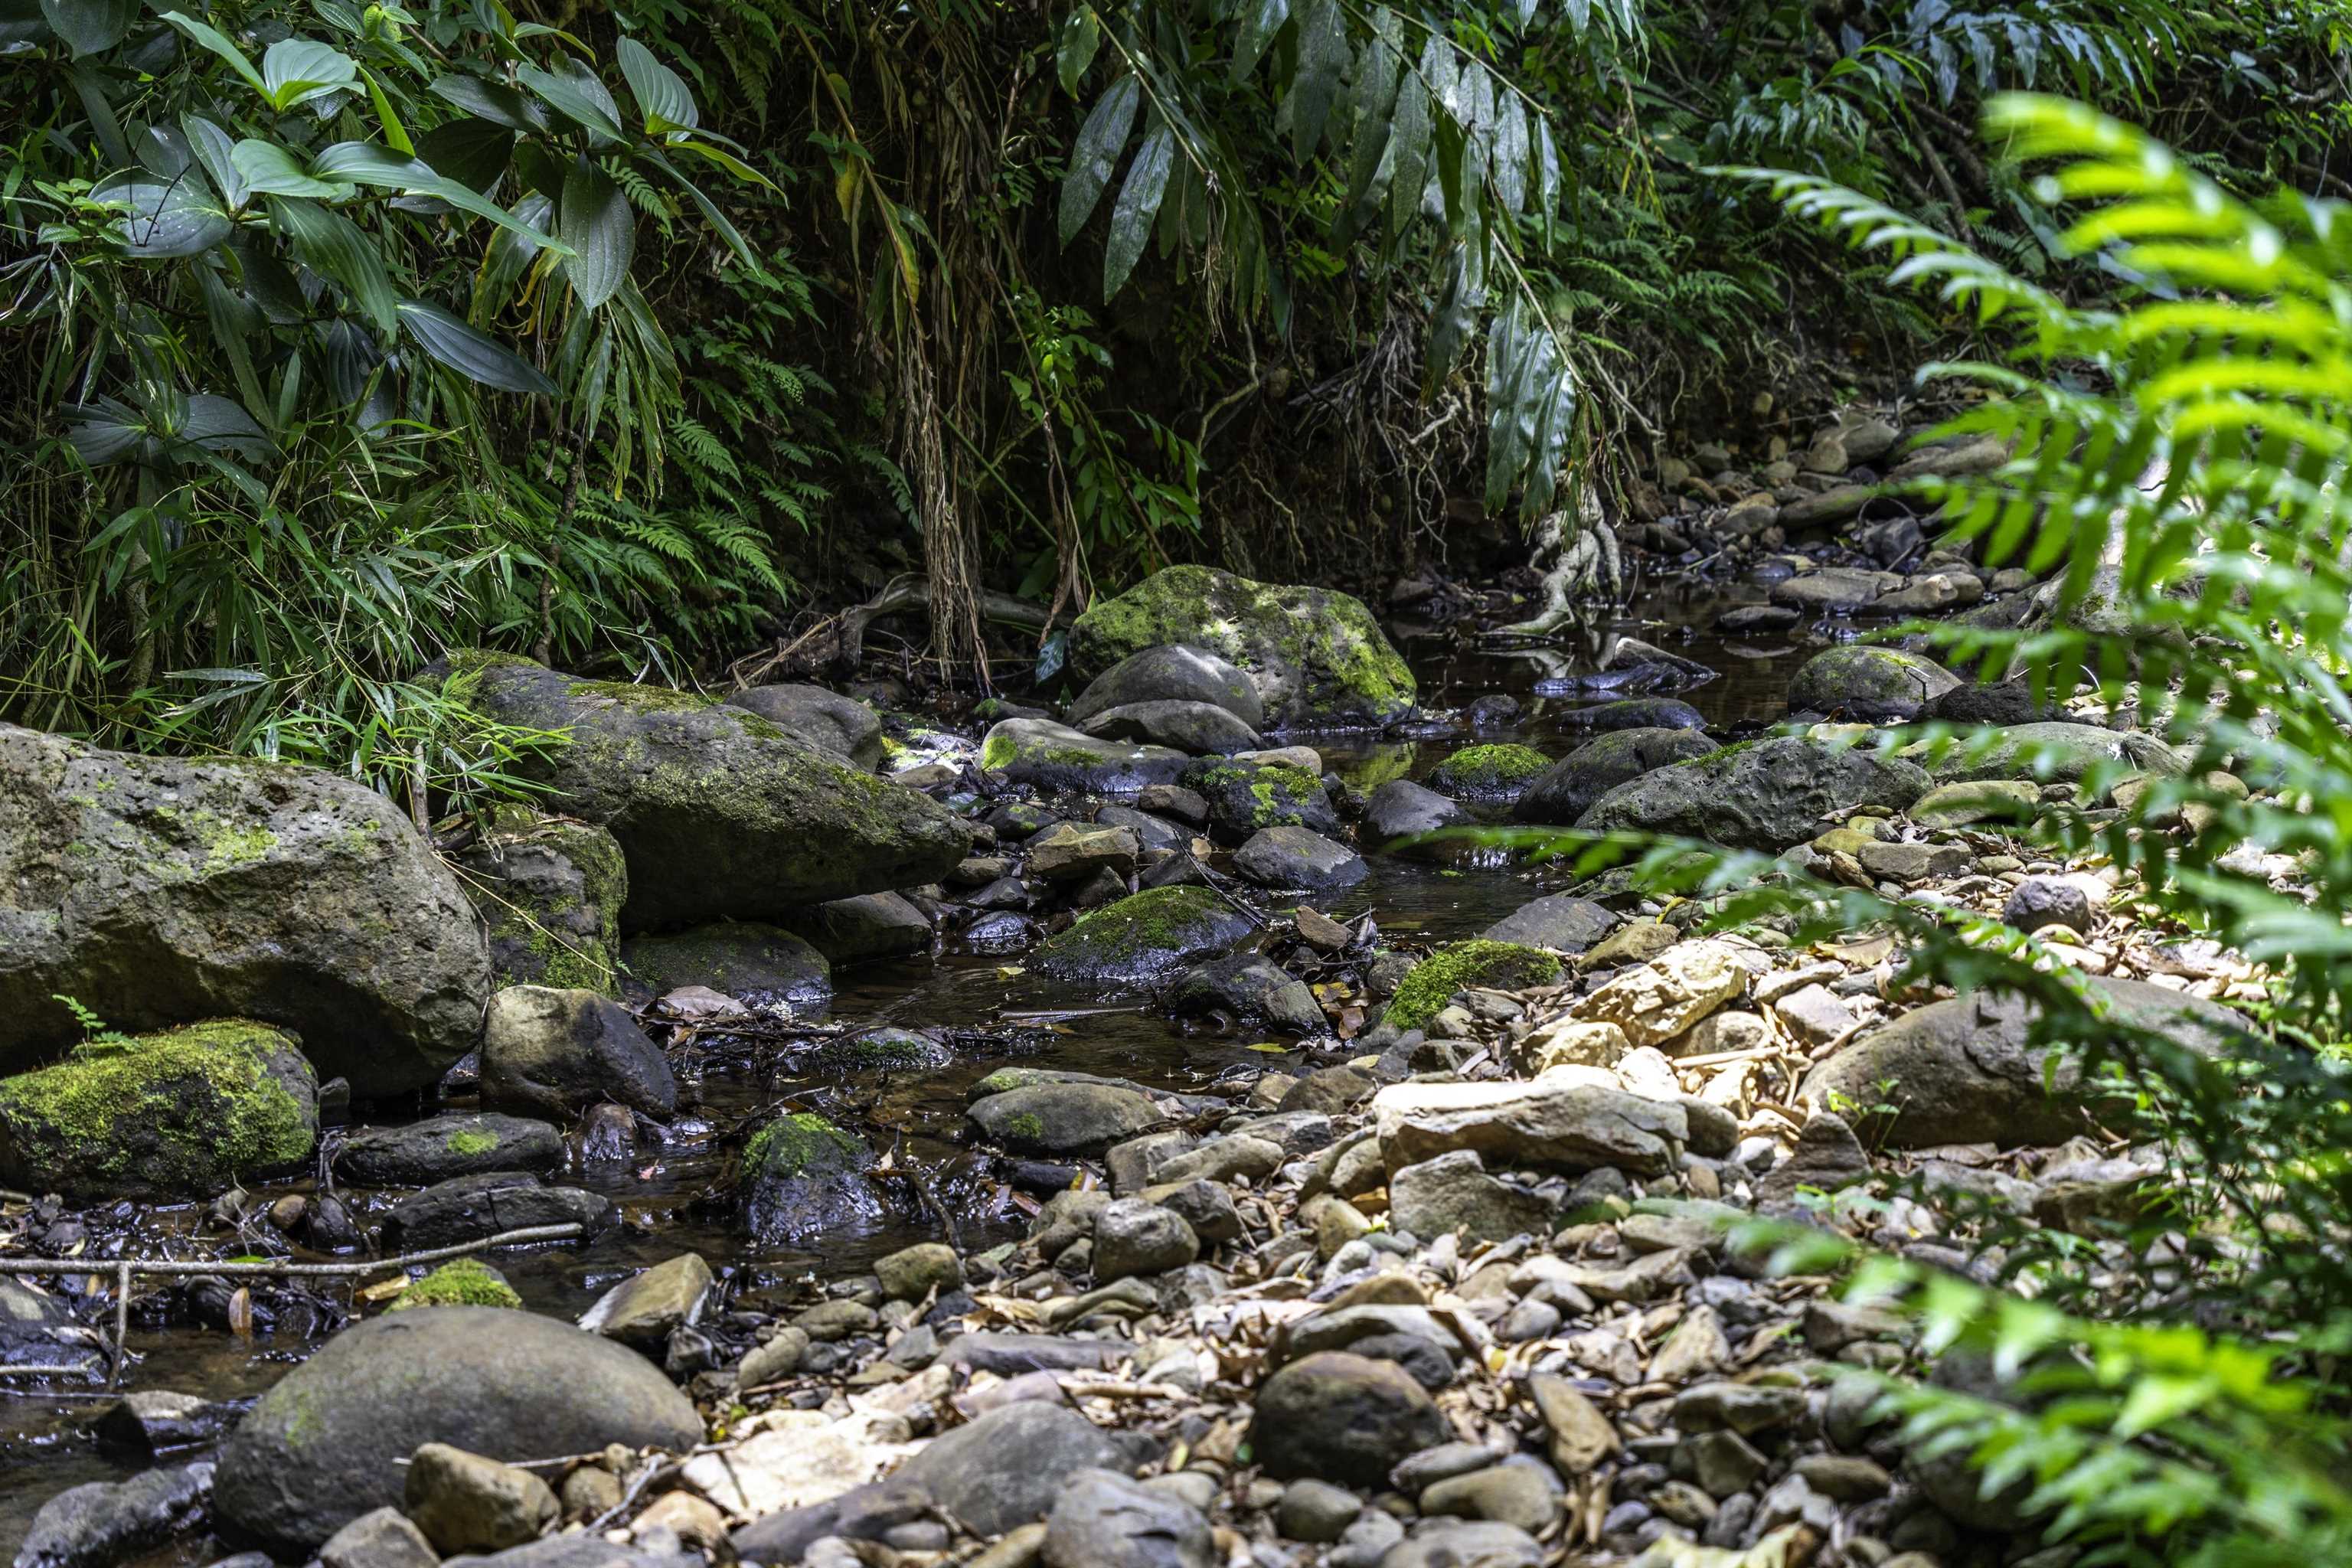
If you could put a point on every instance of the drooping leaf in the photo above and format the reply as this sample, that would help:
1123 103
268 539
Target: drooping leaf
295 70
491 100
596 222
1457 309
1261 20
273 171
474 153
1138 205
474 355
662 94
1409 156
1509 164
1100 140
364 162
1074 50
333 246
218 43
578 97
710 209
89 26
1374 105
164 218
212 147
1323 58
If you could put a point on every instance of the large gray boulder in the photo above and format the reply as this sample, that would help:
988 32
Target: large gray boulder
825 720
155 891
1169 673
1046 755
1872 685
1964 1071
556 1053
1566 791
1318 658
2052 750
719 812
1766 794
322 1447
550 890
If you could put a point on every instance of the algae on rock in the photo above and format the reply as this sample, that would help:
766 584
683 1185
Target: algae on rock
550 890
1432 984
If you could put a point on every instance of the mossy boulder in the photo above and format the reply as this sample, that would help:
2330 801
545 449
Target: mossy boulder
1432 984
720 814
1873 685
1318 658
439 1147
1196 729
1496 774
1567 789
181 1113
755 962
1046 755
805 1181
885 1049
1142 937
460 1282
1762 795
1059 1120
1245 797
323 1447
550 891
2052 752
825 720
157 890
1171 673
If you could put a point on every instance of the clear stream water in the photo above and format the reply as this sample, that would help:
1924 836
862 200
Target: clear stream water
44 1450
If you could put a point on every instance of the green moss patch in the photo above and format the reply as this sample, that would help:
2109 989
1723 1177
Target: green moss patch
1496 965
1495 770
1142 935
461 1282
799 1145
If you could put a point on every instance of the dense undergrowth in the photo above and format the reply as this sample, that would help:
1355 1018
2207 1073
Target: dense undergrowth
341 334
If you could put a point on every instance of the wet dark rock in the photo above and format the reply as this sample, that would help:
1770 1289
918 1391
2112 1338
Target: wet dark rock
319 1450
1298 858
1143 937
1753 619
738 959
720 814
1560 922
100 1524
1009 1467
1200 729
1565 791
1490 774
2040 902
1049 756
557 1052
1105 1519
1173 800
1244 796
804 1179
1172 673
455 1143
1002 931
1335 1415
1247 985
870 925
1402 810
1150 831
158 891
825 720
1766 794
885 1049
149 1422
470 1208
1637 713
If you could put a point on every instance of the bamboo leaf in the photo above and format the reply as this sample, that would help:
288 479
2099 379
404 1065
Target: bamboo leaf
480 358
596 222
1261 21
1323 57
1100 140
1075 51
1138 205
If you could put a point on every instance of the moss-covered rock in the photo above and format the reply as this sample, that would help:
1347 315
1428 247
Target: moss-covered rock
1457 966
1046 755
825 720
885 1049
755 963
2052 752
719 812
1317 656
1873 685
460 1282
1245 797
804 1181
1142 937
158 890
182 1113
550 891
1169 673
1762 795
1566 790
1493 774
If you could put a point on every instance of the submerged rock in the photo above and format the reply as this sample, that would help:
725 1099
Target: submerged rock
1172 673
1638 713
1567 789
157 892
721 813
558 1052
804 1179
1871 684
1764 795
1316 655
467 1208
320 1450
1142 937
1247 985
1050 756
825 720
742 959
550 891
182 1113
1402 810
